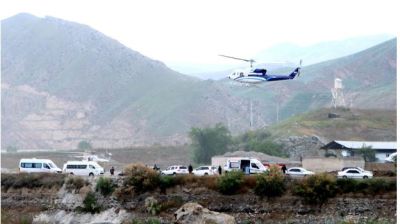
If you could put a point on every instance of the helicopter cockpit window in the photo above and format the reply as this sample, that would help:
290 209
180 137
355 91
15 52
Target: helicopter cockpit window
241 74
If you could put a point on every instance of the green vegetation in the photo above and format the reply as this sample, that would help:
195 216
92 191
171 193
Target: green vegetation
207 142
75 183
230 183
84 145
270 184
146 221
367 153
152 206
258 141
316 189
105 186
90 204
11 149
141 178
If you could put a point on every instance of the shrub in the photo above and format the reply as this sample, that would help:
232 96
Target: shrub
152 205
376 186
105 186
31 180
230 182
90 204
75 183
141 178
316 189
166 182
346 185
147 221
271 184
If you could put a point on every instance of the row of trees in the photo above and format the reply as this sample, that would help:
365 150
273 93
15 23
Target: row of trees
210 141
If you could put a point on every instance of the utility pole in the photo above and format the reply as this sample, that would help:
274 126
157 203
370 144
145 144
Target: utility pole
251 114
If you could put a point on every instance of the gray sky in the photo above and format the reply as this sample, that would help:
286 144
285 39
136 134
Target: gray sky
197 31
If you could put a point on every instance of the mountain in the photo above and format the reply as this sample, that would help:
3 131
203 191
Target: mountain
369 80
284 52
320 52
63 82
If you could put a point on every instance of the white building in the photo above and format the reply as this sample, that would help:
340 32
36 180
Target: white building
351 148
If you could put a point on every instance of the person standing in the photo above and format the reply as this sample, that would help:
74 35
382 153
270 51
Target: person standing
284 169
112 171
219 170
190 169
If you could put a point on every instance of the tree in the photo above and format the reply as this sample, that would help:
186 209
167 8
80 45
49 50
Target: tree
207 142
367 153
11 148
84 145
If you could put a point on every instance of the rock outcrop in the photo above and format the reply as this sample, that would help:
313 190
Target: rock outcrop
195 214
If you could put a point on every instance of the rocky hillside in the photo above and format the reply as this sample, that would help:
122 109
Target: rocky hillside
64 82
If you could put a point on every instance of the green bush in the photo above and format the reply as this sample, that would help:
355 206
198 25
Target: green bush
90 204
316 189
376 186
271 184
230 183
105 186
166 182
141 178
152 205
147 221
346 185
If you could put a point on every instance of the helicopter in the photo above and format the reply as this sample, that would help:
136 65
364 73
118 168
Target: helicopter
258 75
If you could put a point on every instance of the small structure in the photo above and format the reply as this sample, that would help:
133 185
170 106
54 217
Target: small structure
351 148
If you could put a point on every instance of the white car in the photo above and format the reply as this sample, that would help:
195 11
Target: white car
205 170
355 173
83 168
298 172
176 169
357 168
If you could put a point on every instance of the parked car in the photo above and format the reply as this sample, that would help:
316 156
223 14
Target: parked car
38 166
357 168
205 170
83 168
298 172
252 165
354 173
174 170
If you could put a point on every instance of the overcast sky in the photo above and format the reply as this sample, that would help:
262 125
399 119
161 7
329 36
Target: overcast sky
197 31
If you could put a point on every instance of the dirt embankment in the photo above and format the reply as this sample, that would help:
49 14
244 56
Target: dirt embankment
245 207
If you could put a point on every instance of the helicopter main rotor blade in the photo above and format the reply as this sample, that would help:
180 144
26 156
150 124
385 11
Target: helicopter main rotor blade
247 60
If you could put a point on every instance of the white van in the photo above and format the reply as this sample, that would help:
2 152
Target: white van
38 166
251 165
83 168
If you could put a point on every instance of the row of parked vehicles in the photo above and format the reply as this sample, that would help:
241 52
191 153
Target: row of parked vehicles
247 165
254 166
81 168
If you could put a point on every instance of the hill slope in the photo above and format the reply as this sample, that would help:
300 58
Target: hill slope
84 85
64 82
